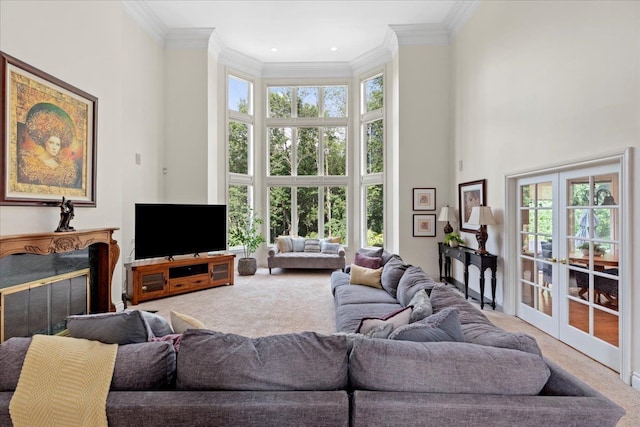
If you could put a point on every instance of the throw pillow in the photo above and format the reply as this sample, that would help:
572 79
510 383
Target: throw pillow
383 330
334 239
158 324
330 248
397 318
123 327
367 261
182 322
443 326
298 244
392 273
372 252
284 244
421 306
312 245
365 276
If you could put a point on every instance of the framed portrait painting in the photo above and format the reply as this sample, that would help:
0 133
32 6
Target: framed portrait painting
471 194
424 225
49 134
424 199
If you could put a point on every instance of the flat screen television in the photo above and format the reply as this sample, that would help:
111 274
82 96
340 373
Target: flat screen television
167 230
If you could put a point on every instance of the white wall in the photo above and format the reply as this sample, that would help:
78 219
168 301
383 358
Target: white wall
540 84
186 125
142 124
79 43
426 150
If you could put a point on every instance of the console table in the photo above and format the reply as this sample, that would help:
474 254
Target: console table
467 257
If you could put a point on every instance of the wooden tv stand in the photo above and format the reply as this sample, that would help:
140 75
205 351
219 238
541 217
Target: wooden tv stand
148 280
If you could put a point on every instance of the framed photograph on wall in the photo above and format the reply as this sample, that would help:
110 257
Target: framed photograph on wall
424 225
49 132
424 199
473 193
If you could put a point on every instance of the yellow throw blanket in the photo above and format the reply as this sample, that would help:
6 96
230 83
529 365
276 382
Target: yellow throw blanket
64 382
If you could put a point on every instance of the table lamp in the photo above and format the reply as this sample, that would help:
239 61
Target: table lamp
482 216
447 214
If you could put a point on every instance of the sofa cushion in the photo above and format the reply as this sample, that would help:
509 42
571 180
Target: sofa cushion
362 295
442 326
329 248
411 282
210 360
349 316
365 276
444 367
397 318
312 245
367 261
421 306
392 273
284 244
158 324
476 327
372 252
141 366
297 244
181 322
123 327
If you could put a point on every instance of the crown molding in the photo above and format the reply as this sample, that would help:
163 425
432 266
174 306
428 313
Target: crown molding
144 16
412 34
459 15
306 69
188 38
239 61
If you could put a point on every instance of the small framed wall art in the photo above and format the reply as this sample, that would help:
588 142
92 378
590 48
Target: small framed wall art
424 199
471 194
49 132
424 225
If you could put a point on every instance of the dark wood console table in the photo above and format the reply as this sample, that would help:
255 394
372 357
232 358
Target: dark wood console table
468 256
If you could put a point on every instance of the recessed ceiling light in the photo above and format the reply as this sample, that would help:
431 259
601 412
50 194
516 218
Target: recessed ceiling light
274 49
333 48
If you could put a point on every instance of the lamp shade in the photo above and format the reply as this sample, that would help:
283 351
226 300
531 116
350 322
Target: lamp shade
481 215
447 214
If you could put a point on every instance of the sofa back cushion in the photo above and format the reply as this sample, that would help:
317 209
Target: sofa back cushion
392 273
444 367
413 280
476 327
122 327
210 360
142 366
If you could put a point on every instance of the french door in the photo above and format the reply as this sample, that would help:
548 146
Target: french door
568 266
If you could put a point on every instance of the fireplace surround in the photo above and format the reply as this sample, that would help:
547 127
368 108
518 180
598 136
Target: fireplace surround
68 251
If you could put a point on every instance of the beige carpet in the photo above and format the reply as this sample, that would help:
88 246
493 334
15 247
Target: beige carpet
295 301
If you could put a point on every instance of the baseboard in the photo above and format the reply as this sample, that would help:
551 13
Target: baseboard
635 380
472 293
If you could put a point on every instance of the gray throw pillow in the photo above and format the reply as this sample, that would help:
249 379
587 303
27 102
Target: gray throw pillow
298 244
123 327
392 273
330 248
312 245
421 306
158 324
443 326
371 252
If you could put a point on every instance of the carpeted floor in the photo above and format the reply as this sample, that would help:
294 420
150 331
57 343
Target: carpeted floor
296 300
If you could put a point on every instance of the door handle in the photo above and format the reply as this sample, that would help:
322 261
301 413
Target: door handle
563 261
552 259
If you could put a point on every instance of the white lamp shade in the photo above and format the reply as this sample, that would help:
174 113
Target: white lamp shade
481 215
447 214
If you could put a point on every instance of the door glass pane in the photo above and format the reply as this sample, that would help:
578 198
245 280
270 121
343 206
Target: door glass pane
579 315
606 326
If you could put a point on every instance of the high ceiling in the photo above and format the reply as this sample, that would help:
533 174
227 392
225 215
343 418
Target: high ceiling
303 31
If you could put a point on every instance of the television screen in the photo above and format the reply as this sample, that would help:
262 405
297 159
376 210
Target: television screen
167 230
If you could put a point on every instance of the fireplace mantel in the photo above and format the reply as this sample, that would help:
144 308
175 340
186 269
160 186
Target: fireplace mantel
100 240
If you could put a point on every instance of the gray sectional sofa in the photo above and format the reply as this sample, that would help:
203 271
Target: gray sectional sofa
476 375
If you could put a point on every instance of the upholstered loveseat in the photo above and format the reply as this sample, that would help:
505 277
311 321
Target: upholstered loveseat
300 252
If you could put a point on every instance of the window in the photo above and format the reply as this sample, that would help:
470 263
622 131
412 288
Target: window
372 137
239 150
307 167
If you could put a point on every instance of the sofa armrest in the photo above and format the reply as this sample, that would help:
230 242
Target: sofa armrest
273 251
